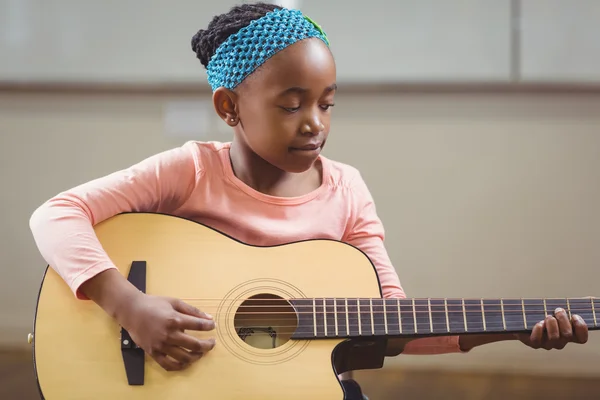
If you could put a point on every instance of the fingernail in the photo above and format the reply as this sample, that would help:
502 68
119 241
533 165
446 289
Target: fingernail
558 310
579 318
209 316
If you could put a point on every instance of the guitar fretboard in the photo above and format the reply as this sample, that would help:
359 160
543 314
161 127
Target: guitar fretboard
364 317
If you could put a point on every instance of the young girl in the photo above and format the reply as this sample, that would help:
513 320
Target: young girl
274 81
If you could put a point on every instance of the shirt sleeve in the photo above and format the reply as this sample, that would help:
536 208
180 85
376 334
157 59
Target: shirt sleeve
366 232
62 227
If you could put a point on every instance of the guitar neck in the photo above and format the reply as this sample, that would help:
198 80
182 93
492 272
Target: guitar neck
322 318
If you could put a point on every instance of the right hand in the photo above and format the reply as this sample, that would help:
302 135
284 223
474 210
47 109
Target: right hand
157 325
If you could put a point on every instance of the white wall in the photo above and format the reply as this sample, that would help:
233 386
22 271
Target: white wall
374 41
482 194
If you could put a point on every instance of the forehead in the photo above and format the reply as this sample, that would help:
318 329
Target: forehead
307 63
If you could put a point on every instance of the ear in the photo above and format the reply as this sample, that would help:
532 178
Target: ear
225 103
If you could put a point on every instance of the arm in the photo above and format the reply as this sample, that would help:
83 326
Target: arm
63 226
366 232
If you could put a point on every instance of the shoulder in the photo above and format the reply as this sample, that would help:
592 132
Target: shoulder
205 155
344 176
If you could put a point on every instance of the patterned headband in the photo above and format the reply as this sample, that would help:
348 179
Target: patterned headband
251 46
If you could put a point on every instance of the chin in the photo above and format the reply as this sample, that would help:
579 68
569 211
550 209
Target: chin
298 167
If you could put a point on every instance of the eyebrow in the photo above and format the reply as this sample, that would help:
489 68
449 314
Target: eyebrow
300 90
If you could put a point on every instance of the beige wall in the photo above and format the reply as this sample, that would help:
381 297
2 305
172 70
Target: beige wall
481 194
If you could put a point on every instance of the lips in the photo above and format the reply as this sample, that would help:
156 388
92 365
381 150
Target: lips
308 147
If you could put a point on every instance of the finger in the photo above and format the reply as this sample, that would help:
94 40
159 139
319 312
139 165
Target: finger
185 308
580 328
191 343
181 356
184 321
537 334
167 363
552 329
564 325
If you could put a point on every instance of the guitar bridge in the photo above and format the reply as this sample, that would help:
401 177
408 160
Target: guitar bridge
133 355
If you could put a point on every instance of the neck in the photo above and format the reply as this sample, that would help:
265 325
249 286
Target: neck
322 318
253 170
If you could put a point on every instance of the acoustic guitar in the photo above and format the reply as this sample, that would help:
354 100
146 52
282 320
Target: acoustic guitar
289 318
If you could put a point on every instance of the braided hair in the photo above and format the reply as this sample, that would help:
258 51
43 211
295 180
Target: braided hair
206 41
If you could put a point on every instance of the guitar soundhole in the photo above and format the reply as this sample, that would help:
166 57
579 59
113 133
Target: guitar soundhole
265 321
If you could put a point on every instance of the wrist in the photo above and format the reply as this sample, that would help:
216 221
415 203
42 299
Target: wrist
111 291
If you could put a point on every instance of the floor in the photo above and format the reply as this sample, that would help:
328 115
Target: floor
17 382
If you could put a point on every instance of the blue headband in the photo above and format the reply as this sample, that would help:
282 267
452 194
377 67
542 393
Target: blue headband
251 46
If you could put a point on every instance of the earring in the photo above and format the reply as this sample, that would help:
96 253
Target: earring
232 119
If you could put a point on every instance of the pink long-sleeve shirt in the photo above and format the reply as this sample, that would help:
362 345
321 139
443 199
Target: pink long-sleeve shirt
196 181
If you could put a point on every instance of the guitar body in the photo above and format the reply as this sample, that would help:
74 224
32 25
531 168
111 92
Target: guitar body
77 347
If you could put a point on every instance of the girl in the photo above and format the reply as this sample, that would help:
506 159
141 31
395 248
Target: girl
274 81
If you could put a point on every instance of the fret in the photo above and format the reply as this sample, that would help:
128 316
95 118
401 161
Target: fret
446 311
340 317
569 308
493 315
534 311
456 316
474 315
335 317
353 317
524 314
483 315
580 306
430 316
372 319
414 314
502 311
365 317
324 318
513 315
399 317
385 317
330 312
595 306
358 316
439 316
319 317
407 316
379 323
583 308
422 315
347 317
392 312
314 316
464 310
553 304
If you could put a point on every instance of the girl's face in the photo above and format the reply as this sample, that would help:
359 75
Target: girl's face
284 107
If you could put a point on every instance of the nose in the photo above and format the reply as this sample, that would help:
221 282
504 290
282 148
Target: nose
313 126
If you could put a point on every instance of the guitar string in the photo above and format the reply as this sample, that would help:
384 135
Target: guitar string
404 299
423 327
319 311
509 324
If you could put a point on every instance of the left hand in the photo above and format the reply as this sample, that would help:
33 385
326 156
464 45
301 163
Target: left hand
556 331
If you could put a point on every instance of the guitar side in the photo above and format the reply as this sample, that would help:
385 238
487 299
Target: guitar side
77 352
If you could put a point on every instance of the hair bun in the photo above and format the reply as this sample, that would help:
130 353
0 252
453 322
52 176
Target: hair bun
206 41
197 46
